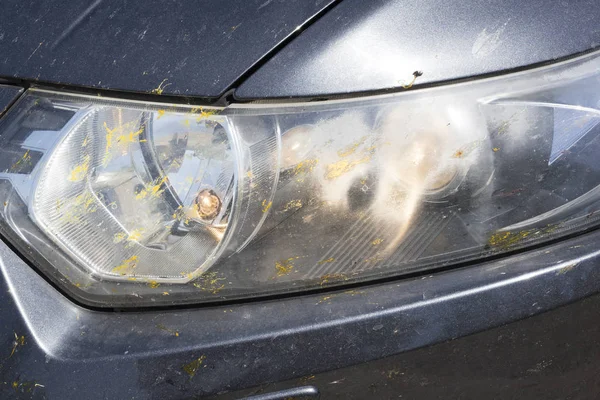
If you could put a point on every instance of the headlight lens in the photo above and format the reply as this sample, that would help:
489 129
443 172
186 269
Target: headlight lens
128 202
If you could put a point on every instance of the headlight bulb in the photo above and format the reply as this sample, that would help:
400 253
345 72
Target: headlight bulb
206 206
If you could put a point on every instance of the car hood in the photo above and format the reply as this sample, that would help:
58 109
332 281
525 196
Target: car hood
364 46
197 48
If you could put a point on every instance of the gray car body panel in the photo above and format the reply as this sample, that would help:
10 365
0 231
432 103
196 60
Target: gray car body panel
192 48
364 46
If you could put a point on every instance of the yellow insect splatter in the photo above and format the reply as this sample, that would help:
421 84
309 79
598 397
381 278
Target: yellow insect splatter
119 237
201 114
458 154
109 138
130 137
467 149
152 191
127 266
566 269
171 331
21 162
508 239
160 89
377 242
285 267
305 166
85 203
209 282
375 259
160 113
192 367
495 149
153 284
339 168
328 278
293 205
135 234
19 341
73 210
325 299
266 206
351 149
79 172
329 260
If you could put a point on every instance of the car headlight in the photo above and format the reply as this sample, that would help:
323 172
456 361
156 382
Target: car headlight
127 202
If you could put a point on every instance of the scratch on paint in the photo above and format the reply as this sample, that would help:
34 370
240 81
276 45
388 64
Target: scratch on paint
36 49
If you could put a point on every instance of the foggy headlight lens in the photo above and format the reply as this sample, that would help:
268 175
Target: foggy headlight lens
126 202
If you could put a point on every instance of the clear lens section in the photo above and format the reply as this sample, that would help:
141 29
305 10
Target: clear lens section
138 194
118 198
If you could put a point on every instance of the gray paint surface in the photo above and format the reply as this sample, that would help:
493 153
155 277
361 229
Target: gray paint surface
373 45
192 48
8 94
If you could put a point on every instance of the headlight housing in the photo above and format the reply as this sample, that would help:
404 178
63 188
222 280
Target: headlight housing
129 203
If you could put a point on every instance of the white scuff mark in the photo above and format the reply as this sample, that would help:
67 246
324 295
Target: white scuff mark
36 49
266 3
486 42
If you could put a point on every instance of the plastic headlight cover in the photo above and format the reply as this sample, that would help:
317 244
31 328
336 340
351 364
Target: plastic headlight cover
125 202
